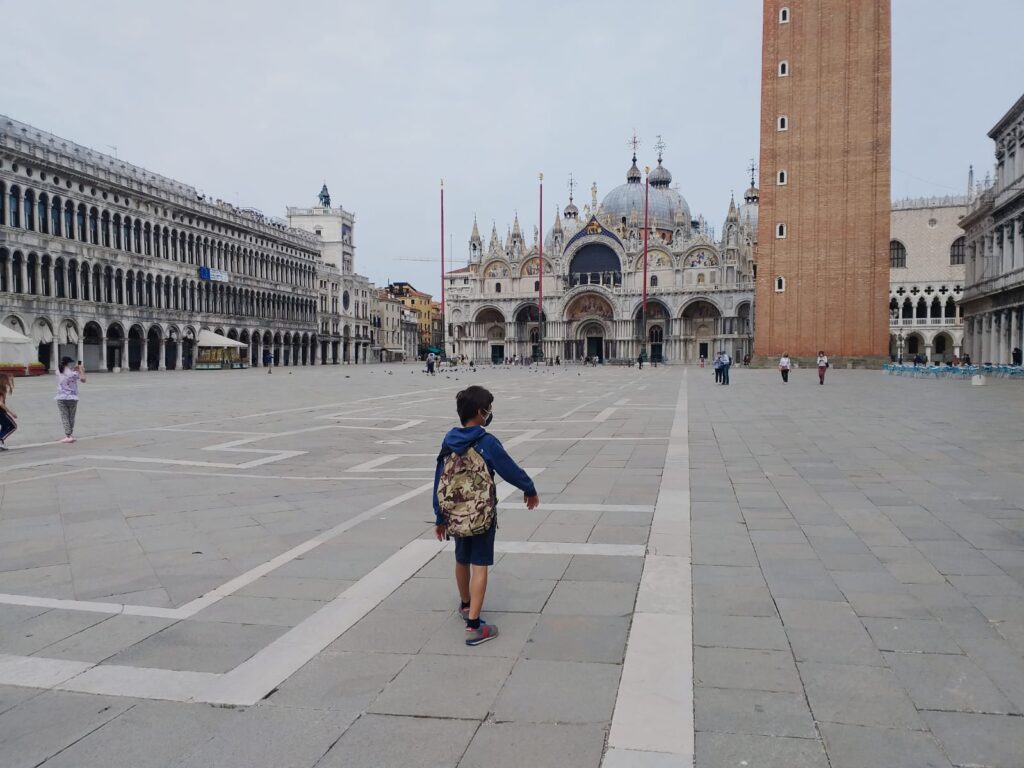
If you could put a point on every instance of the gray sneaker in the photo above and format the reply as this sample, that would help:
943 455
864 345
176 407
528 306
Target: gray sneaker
482 634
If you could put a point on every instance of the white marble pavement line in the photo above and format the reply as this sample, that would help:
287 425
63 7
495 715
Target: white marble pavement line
652 726
583 507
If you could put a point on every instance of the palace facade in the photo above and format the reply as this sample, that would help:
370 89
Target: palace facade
700 287
120 267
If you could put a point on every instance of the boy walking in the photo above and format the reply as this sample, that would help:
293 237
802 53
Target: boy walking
466 504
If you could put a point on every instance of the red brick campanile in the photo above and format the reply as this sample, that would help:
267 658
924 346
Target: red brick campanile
823 236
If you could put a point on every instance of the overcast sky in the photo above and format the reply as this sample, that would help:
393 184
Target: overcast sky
260 102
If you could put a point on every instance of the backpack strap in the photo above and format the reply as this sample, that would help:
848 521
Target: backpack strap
446 451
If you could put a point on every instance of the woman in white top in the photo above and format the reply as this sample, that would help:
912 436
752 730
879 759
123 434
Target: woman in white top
784 366
68 378
822 366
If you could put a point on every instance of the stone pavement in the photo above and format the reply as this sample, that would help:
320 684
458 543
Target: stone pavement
235 569
858 571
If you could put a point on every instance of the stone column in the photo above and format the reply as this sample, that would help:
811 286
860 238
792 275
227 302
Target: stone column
53 355
178 354
23 272
125 364
81 349
162 364
9 274
1014 332
37 275
103 353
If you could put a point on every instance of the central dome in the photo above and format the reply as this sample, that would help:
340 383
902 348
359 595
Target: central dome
664 203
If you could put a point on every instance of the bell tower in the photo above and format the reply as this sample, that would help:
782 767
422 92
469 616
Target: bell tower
823 219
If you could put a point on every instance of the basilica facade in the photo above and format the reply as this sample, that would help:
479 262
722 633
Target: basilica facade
700 287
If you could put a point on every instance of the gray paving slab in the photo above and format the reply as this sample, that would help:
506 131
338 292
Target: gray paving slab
755 632
425 687
542 691
857 746
199 646
508 594
593 598
526 566
762 713
33 634
578 638
392 631
43 725
727 750
105 639
539 745
271 737
993 741
343 681
911 635
742 668
245 609
151 734
949 683
858 695
374 741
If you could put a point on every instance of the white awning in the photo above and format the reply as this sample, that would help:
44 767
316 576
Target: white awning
9 334
211 339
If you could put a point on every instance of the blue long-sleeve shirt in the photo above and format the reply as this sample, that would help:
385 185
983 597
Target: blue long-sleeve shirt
459 439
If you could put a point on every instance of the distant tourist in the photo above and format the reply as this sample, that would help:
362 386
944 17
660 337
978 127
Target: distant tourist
746 360
822 366
68 378
967 358
268 360
784 365
431 361
640 361
465 506
717 364
1016 356
558 360
726 365
8 418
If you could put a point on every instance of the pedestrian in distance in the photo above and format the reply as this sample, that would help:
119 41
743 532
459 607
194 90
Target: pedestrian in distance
640 361
1017 356
268 360
718 367
8 418
466 504
431 360
726 365
822 366
68 379
784 365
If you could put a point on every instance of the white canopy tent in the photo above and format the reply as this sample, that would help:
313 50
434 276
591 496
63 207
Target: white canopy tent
16 348
216 351
211 339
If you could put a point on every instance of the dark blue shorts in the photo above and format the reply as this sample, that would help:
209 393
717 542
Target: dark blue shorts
476 550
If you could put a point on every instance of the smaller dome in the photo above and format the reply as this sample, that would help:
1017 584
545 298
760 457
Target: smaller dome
660 176
633 175
752 195
571 211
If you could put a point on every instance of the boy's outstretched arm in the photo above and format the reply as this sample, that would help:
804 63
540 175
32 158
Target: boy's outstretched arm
511 472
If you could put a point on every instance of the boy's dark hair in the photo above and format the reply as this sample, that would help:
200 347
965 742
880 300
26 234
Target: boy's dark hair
470 401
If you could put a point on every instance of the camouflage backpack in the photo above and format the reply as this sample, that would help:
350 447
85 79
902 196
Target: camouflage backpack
466 493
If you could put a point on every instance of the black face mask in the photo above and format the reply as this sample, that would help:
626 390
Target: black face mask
490 417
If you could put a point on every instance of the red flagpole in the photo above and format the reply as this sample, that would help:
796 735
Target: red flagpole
444 324
540 270
647 189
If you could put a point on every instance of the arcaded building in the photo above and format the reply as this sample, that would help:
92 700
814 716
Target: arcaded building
822 257
993 303
120 267
699 282
926 260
